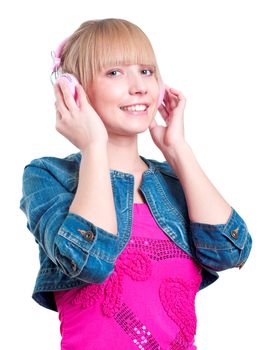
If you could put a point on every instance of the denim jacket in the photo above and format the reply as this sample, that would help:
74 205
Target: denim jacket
74 252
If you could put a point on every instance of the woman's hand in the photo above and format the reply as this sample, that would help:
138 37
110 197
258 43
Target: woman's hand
78 122
170 136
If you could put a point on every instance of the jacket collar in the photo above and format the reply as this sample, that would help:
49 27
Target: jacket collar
151 169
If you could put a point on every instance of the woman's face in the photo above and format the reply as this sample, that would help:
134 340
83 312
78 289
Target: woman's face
125 97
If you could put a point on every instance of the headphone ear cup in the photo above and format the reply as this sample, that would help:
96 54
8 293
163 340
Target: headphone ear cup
161 95
71 82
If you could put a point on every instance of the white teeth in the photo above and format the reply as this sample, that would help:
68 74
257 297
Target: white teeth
135 108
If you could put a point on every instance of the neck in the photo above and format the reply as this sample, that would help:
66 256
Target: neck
123 155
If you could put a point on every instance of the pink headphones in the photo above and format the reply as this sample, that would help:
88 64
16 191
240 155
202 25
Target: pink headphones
72 80
56 76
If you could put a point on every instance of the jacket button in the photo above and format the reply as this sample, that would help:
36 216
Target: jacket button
74 266
88 235
234 233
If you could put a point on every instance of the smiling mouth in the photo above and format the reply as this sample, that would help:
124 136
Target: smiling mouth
135 108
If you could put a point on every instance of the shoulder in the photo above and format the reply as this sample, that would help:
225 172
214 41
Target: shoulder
65 170
49 162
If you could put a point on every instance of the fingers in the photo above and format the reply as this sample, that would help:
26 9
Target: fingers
58 95
81 96
59 103
179 97
164 112
168 100
67 96
173 99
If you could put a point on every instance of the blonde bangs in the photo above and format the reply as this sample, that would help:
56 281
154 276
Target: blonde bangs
121 44
100 44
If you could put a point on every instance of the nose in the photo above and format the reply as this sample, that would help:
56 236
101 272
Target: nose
137 85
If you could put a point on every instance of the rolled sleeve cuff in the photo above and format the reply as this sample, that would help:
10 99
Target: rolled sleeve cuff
80 245
224 246
234 232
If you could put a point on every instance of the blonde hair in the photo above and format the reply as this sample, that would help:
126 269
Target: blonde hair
97 44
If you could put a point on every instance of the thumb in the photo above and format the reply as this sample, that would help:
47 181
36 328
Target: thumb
153 124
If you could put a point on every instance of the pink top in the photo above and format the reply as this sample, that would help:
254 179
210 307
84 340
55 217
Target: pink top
146 303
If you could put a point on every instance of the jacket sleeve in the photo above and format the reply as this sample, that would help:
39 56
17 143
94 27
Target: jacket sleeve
224 246
78 247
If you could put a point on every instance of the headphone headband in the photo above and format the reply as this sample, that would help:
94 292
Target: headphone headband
56 56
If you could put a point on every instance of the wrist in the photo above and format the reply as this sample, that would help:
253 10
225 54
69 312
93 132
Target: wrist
178 153
93 147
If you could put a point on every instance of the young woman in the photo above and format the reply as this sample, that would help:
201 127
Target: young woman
125 242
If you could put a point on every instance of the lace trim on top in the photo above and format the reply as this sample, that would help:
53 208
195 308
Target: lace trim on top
158 249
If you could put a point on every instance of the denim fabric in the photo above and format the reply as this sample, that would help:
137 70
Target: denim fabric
75 252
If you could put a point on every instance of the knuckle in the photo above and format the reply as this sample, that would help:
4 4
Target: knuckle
58 127
73 112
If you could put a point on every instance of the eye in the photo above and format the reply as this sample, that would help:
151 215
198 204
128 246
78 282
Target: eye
113 73
147 71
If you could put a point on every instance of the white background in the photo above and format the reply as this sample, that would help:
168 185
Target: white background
219 54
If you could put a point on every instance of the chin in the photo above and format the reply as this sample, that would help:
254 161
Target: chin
134 130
